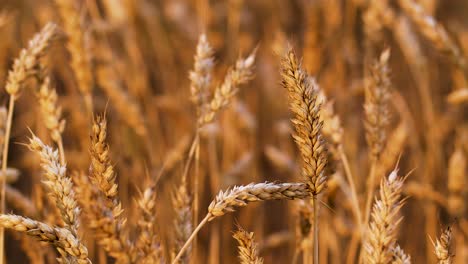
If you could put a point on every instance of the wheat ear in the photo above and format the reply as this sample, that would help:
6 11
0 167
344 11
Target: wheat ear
303 101
399 256
200 76
248 252
61 238
148 244
57 181
377 111
303 94
442 247
377 104
109 223
240 74
52 114
240 196
381 233
183 220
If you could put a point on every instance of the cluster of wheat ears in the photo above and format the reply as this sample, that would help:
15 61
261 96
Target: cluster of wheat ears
115 167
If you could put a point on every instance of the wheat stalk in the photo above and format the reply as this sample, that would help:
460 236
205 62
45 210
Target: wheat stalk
25 66
248 252
394 147
20 202
240 196
376 108
109 221
333 131
3 122
457 183
240 74
303 93
303 228
200 81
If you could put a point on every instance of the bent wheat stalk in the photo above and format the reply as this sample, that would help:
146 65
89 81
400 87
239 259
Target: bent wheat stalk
240 196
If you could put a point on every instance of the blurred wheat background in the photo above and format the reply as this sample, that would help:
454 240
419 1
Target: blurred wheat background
125 124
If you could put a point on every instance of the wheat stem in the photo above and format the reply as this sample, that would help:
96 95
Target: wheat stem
196 188
370 193
350 178
61 150
192 236
353 246
316 237
6 141
195 142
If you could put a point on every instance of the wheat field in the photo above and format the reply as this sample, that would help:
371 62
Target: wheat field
197 131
